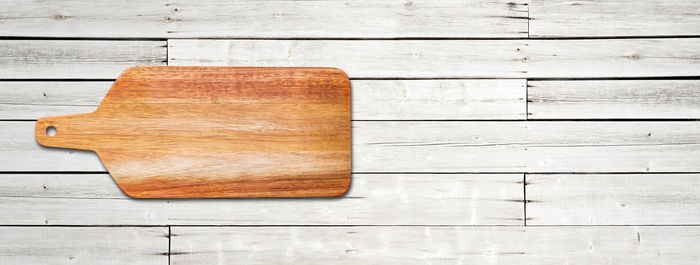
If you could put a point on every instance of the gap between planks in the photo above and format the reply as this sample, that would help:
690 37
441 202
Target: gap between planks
344 225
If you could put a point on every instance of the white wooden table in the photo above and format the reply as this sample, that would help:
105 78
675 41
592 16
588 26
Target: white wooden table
484 132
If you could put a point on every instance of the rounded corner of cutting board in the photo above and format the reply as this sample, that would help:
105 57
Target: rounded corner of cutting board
129 193
341 71
344 189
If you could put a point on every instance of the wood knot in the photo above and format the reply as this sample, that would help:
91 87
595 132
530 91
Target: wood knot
633 57
61 17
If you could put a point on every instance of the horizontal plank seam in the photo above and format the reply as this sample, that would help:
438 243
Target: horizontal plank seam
321 226
479 120
436 120
80 38
63 197
534 119
55 172
401 78
537 173
687 77
449 38
355 38
407 173
5 225
630 225
38 80
609 37
290 225
206 199
391 78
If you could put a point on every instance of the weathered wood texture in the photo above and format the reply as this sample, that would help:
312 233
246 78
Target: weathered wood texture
386 199
455 58
614 99
264 19
438 99
64 59
526 146
19 151
387 218
508 146
339 19
181 132
435 245
576 18
21 100
372 99
348 19
362 58
84 245
83 18
29 59
637 199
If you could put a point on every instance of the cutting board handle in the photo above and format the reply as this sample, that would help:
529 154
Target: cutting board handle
69 131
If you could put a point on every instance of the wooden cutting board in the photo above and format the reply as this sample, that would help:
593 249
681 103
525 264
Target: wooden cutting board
170 131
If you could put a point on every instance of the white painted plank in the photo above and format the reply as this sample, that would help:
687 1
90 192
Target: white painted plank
435 245
264 19
31 100
19 151
361 58
84 245
454 58
620 199
387 199
349 19
614 99
65 59
83 18
438 99
578 18
526 146
467 146
610 58
372 99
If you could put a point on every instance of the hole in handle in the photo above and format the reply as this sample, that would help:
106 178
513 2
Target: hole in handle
50 131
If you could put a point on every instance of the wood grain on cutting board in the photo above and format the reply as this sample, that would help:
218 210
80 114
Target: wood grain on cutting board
218 132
